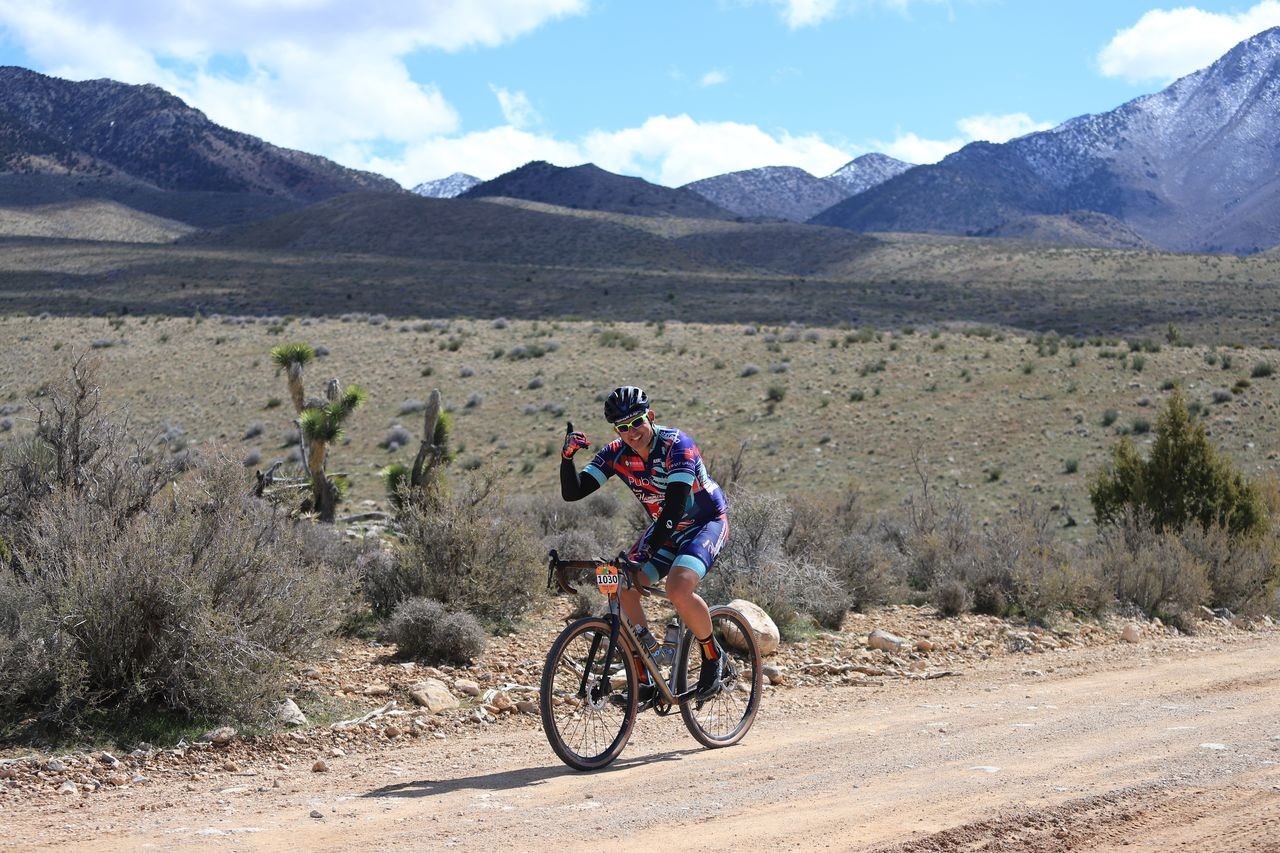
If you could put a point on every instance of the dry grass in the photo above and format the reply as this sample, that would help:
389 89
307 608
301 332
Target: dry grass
966 401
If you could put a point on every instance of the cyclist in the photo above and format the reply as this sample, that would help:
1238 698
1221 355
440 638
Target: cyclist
663 468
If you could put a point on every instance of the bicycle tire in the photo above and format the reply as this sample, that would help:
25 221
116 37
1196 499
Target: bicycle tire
725 718
586 730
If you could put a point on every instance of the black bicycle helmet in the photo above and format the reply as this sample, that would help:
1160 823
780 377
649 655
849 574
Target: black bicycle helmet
625 402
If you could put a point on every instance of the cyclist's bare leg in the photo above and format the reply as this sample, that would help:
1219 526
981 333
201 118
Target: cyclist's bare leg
682 584
630 599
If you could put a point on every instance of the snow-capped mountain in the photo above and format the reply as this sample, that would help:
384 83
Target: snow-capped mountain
450 187
785 192
1194 167
770 192
867 171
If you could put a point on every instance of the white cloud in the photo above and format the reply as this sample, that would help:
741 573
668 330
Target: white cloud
517 110
674 150
989 128
668 150
322 75
1168 43
993 128
808 13
714 77
485 154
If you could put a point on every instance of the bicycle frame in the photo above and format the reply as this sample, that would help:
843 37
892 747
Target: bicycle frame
621 628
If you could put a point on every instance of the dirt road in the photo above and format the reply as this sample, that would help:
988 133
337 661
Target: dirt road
1171 746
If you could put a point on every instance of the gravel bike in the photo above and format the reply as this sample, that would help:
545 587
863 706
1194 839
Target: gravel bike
588 699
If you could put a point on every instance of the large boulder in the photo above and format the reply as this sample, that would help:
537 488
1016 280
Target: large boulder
885 642
767 636
290 714
433 695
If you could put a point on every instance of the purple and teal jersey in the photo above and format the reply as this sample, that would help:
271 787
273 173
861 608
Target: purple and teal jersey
673 458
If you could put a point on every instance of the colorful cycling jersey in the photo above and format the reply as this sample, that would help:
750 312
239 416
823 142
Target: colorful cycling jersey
673 458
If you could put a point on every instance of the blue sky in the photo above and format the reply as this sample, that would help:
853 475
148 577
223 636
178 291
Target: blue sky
669 91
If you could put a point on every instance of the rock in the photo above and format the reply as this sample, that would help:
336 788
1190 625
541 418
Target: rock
918 666
320 766
433 695
118 780
1131 633
69 789
924 646
524 706
392 732
290 714
885 642
54 765
773 673
311 674
315 813
1206 612
231 767
337 752
108 759
376 690
467 688
502 702
766 631
220 736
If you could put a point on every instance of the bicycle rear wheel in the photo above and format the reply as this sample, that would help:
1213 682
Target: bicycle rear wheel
725 718
588 708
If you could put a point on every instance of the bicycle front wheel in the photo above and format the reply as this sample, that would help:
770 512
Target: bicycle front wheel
588 704
725 718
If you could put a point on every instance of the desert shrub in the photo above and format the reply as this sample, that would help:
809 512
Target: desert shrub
78 449
1184 480
252 458
1150 568
1262 369
1243 573
748 370
469 549
867 569
380 580
426 630
938 540
1023 568
755 566
397 437
195 605
583 529
951 597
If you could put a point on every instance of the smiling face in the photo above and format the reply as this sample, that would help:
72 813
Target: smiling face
639 437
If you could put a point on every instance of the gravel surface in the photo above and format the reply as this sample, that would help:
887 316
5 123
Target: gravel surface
973 730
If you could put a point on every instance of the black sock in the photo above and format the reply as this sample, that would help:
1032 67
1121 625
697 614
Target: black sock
709 650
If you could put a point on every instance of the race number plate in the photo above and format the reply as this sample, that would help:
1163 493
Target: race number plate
607 579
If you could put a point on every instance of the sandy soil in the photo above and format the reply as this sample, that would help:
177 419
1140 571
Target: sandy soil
1166 745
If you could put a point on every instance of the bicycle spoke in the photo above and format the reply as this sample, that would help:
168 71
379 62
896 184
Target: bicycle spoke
584 727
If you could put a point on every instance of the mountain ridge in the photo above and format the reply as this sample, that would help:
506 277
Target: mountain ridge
1188 168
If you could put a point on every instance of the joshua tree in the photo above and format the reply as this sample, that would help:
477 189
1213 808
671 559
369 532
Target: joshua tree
319 421
432 453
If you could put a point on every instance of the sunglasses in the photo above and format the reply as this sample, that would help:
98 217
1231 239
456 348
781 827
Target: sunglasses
632 424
